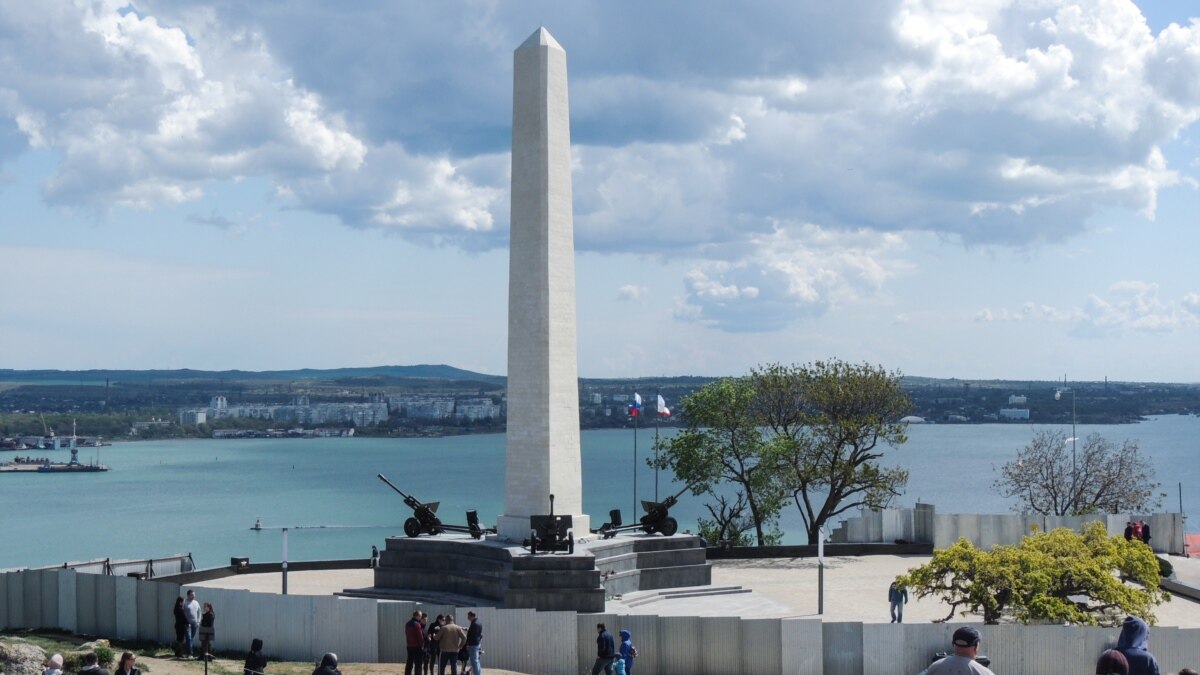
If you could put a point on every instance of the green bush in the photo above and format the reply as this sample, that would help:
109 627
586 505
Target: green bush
1165 568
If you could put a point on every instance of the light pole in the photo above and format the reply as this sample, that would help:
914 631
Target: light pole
1058 397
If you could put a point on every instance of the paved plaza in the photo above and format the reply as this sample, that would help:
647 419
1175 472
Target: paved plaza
855 590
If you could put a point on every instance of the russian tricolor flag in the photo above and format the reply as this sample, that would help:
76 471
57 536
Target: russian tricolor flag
636 407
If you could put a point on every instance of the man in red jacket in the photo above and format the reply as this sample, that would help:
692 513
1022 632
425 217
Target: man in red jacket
414 637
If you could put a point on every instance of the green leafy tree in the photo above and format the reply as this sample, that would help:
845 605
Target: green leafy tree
829 422
1062 576
722 443
1102 478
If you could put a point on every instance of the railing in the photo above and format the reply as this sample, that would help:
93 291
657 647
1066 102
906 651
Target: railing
147 568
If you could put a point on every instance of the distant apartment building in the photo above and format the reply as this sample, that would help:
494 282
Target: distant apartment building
1017 399
299 412
473 409
597 399
423 407
1014 413
193 418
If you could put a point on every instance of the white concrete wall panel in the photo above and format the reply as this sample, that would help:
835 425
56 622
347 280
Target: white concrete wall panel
147 611
348 627
679 643
48 580
874 523
67 606
761 646
557 648
721 644
232 626
392 616
290 618
106 605
13 601
125 608
802 649
85 604
263 610
892 525
4 622
167 592
31 586
842 646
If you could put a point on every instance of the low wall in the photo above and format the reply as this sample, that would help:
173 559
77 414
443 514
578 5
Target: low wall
806 551
304 627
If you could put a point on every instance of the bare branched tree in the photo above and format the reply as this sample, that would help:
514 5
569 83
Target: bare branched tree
1105 477
730 522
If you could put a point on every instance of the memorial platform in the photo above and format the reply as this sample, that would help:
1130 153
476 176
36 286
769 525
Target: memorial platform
494 573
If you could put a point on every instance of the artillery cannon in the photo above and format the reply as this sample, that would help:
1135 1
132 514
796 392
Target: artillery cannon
550 532
657 519
425 520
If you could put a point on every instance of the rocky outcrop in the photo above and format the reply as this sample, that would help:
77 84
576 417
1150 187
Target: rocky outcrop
21 658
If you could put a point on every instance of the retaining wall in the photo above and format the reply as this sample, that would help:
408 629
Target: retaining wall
358 630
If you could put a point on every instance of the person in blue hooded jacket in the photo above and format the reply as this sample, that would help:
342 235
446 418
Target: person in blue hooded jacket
628 651
1135 636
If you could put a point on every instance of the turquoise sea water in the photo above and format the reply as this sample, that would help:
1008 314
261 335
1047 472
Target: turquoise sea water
202 496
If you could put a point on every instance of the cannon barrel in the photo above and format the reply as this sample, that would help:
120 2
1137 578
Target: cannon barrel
393 486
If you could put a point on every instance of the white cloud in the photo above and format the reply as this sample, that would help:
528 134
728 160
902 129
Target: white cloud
1127 306
630 292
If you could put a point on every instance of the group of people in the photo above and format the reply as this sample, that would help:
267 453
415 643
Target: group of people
91 665
1137 529
1131 656
442 642
609 658
192 621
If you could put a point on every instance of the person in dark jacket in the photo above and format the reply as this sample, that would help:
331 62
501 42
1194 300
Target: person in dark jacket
897 597
414 639
1134 643
432 652
474 642
91 665
1145 533
328 665
181 626
1129 531
606 651
208 619
256 663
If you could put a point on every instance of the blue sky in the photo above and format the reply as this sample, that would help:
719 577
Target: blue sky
1000 188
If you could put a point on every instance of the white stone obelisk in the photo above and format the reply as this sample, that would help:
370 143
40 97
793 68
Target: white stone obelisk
543 370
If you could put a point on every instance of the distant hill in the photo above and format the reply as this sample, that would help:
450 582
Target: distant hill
418 372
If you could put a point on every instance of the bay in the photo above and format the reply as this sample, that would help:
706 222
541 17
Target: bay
202 496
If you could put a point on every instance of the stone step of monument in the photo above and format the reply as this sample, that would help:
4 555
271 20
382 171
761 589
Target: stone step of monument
641 598
556 599
646 559
428 597
654 578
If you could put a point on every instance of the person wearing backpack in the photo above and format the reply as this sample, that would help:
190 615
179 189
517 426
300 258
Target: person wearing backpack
628 651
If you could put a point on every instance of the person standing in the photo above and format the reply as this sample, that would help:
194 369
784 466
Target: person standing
1134 644
474 642
606 651
451 639
897 598
208 631
193 616
433 653
414 639
1145 533
628 651
181 626
127 665
962 662
256 663
1129 531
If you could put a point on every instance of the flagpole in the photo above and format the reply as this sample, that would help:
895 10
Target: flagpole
636 414
657 416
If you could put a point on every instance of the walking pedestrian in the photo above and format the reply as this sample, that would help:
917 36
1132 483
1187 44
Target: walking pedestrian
606 651
628 651
897 598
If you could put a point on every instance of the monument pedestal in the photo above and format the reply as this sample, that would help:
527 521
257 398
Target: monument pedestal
457 570
515 529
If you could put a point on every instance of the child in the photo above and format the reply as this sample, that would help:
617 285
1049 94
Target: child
628 653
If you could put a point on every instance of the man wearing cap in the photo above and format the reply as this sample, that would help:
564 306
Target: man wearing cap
962 661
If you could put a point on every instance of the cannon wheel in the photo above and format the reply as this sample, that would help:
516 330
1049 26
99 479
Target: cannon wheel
669 526
412 527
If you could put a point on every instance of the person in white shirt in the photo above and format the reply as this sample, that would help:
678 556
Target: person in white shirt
193 615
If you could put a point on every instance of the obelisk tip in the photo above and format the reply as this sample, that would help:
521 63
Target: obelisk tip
540 38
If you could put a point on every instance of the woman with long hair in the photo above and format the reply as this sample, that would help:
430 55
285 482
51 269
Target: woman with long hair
126 665
181 626
207 631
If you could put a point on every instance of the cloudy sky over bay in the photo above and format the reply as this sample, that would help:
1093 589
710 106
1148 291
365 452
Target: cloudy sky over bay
993 188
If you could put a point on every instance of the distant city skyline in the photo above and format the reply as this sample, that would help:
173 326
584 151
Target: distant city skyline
1006 191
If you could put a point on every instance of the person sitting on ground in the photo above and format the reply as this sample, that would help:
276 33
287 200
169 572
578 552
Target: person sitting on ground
126 665
1112 662
962 661
256 663
91 666
1134 644
451 639
328 665
54 667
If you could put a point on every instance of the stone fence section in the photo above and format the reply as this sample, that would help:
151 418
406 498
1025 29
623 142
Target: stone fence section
921 525
301 628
